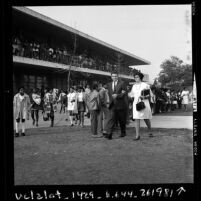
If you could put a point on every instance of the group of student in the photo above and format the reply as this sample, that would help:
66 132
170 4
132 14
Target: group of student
77 103
168 100
107 105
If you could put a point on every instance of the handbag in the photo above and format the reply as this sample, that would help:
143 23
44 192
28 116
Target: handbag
140 105
45 116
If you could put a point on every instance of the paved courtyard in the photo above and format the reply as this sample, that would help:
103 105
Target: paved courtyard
175 119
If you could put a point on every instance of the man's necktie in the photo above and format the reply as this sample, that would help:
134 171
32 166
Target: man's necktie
114 85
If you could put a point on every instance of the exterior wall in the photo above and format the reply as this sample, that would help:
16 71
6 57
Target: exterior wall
30 77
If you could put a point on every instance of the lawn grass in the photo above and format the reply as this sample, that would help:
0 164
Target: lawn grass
63 155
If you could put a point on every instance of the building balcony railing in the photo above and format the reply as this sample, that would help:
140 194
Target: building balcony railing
63 57
63 67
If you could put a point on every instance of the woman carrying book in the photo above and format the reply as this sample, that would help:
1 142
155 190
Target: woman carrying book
141 92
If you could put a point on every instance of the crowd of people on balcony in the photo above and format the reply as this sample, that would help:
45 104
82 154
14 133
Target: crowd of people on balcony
64 55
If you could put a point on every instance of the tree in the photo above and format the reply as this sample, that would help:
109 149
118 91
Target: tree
187 75
175 74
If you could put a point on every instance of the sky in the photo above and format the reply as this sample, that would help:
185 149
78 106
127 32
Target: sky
151 32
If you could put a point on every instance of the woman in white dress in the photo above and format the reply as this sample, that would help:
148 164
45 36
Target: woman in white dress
145 113
72 104
185 98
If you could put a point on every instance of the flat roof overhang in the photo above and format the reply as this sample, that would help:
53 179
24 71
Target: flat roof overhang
59 68
47 26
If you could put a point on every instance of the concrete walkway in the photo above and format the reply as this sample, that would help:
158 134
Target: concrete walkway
156 122
170 122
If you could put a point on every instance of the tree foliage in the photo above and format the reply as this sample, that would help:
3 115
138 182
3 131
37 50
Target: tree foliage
175 74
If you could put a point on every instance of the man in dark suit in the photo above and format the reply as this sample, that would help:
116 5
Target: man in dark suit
117 105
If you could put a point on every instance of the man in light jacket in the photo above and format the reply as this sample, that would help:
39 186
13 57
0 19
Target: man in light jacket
104 111
21 105
92 101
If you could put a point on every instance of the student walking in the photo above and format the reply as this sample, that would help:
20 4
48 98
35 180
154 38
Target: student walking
21 104
72 104
145 113
35 106
63 100
185 98
93 102
50 101
80 106
104 111
118 105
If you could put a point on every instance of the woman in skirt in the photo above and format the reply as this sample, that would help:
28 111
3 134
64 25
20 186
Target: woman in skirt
35 106
72 104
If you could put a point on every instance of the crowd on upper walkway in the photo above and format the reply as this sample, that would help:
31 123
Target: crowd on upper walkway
62 54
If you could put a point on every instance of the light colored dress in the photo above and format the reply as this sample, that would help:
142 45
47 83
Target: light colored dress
136 93
72 106
48 100
185 96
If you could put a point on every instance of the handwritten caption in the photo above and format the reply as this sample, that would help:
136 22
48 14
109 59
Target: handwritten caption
91 195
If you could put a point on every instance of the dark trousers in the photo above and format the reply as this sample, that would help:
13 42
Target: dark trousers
94 121
102 119
168 107
51 116
36 114
62 107
119 116
179 104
